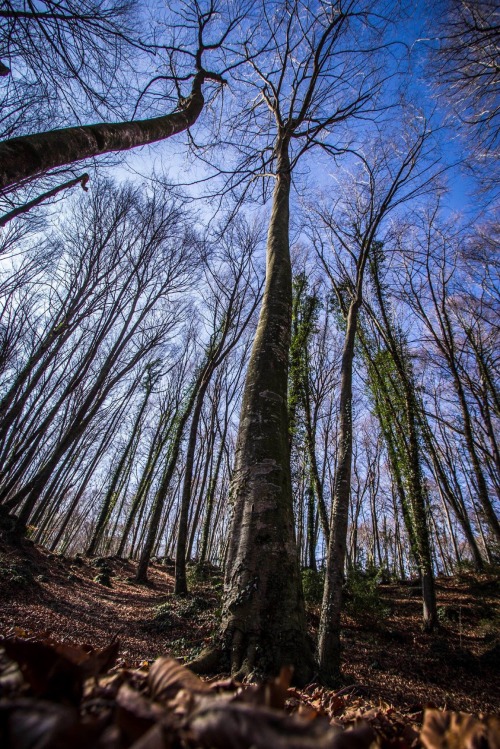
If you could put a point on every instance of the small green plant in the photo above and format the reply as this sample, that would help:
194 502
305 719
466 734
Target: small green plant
448 614
313 582
489 628
363 599
15 573
204 574
163 619
103 578
194 605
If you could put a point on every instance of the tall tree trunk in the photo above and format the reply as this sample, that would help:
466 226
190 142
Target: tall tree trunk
311 528
329 628
161 494
180 587
263 618
211 496
111 494
448 497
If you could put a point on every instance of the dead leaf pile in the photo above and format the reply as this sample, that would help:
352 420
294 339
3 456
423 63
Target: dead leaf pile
54 695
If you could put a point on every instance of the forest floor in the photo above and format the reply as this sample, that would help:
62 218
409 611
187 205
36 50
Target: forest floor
389 663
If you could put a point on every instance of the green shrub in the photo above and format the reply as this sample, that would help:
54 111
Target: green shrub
448 614
103 578
313 582
363 599
489 627
163 619
194 605
15 573
203 575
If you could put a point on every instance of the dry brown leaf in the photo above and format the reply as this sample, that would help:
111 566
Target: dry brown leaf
272 693
167 676
135 714
11 677
28 723
100 661
447 730
156 738
49 673
238 725
223 685
57 670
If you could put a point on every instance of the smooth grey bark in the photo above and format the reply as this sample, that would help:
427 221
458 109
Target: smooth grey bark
30 156
331 608
220 348
263 618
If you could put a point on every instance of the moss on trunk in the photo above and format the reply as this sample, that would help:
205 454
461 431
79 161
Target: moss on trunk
263 620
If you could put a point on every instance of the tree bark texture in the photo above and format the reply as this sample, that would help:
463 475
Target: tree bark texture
32 155
329 631
263 618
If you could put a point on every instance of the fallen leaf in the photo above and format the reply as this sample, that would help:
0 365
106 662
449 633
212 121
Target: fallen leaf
237 725
135 714
30 724
49 673
167 676
447 730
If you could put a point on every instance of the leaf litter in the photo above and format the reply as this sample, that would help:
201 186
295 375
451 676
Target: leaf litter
113 693
61 701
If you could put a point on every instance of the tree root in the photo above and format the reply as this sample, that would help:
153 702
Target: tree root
210 661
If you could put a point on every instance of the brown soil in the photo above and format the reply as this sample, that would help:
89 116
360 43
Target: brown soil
387 662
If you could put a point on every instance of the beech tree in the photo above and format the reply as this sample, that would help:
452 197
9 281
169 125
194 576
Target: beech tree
384 182
431 300
28 156
302 69
466 66
97 333
63 60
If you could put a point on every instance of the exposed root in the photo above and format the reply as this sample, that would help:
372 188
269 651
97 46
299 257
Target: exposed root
210 661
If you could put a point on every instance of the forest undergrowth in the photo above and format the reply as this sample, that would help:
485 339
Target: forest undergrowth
89 613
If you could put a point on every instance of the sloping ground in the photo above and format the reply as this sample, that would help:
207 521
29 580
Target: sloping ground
455 669
391 667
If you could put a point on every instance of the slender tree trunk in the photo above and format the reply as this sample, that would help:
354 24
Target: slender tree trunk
481 486
211 496
206 476
311 529
110 498
180 551
331 609
318 484
160 496
448 497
